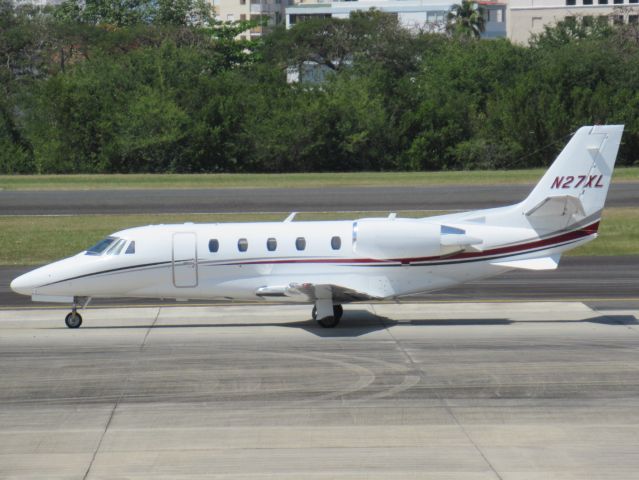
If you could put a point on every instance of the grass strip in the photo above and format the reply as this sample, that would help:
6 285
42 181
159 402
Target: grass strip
284 180
30 240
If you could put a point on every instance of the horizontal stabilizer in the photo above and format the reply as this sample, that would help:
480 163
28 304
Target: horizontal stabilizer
544 263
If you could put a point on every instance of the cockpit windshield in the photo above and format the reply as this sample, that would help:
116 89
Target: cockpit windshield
100 247
112 246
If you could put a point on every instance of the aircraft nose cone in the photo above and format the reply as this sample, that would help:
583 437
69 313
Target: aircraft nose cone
23 285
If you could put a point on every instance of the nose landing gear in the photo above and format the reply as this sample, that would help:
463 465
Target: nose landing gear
74 319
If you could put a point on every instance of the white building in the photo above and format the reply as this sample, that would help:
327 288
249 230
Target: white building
240 10
528 17
427 15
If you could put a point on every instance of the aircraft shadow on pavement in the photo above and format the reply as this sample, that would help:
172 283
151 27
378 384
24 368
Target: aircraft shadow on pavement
356 323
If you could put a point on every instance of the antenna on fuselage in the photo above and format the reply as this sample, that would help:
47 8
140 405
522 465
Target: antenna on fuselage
290 217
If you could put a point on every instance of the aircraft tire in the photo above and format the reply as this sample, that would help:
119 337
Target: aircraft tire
73 320
328 322
338 311
314 313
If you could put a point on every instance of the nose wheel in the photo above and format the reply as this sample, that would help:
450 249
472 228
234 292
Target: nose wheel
73 320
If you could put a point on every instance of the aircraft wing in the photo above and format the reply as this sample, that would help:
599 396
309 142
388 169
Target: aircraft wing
347 290
543 263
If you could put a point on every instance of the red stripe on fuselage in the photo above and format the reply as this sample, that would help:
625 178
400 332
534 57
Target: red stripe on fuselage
509 249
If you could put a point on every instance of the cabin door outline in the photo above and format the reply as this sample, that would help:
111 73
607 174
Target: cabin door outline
184 260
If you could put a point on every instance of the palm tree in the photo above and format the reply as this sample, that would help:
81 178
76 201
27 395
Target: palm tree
466 19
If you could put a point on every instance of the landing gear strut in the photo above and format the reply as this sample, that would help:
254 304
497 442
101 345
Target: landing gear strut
329 321
74 319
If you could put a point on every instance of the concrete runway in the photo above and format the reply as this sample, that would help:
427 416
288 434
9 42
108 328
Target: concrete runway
444 391
448 197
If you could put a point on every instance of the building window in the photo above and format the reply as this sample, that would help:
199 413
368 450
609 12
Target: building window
633 19
602 2
214 245
336 243
300 243
586 21
618 2
603 19
242 244
617 19
587 2
571 2
500 16
242 2
271 244
633 1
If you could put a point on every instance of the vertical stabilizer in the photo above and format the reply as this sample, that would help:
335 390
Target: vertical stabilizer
575 186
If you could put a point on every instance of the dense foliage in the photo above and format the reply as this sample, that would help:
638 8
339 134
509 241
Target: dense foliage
158 86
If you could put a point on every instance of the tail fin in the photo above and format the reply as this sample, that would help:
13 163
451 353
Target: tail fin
574 188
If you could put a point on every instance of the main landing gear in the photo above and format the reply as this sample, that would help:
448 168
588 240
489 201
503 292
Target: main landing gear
330 321
74 319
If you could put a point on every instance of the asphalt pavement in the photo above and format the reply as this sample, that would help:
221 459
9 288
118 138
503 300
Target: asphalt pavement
448 197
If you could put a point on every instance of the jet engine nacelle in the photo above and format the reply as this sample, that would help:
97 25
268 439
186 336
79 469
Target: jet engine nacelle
396 238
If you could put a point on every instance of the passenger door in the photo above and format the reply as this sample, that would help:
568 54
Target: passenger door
184 259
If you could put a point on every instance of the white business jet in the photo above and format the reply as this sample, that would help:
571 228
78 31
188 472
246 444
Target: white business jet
330 263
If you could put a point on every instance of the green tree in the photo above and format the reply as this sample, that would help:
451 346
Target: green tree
569 30
466 19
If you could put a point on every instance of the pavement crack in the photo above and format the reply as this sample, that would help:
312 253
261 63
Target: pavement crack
118 400
157 315
414 366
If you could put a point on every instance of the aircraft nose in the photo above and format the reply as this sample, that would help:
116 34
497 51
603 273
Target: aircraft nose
24 284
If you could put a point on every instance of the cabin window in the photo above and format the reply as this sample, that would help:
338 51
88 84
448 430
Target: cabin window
336 243
242 244
100 247
271 244
300 243
130 250
214 245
